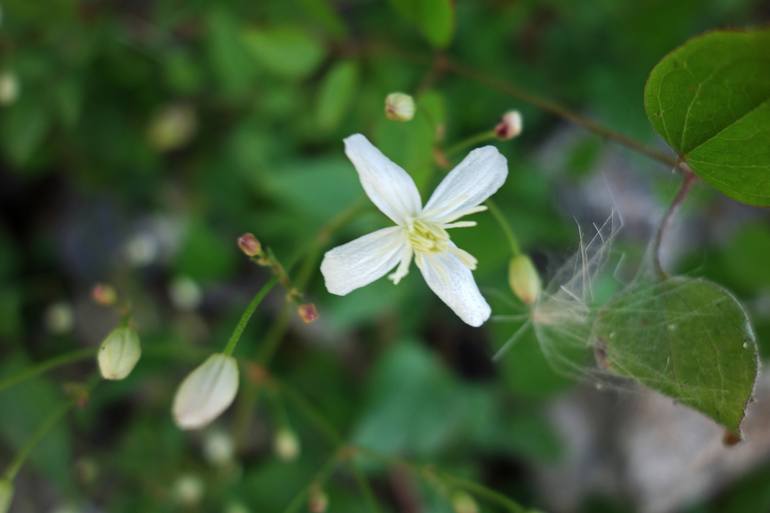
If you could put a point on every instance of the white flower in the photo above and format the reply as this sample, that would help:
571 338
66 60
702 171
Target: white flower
119 353
420 232
399 107
206 392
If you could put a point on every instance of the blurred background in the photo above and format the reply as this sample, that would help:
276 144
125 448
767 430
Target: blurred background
139 138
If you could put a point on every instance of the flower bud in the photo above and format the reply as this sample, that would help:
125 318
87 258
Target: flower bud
119 353
172 127
308 313
104 294
188 490
185 293
523 279
249 245
510 125
464 503
218 448
6 495
318 501
206 392
9 87
59 318
286 445
399 107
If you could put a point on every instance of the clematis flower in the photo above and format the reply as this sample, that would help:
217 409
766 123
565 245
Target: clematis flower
420 232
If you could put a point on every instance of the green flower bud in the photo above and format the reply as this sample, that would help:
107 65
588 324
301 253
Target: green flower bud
9 87
6 495
119 353
464 503
523 279
286 445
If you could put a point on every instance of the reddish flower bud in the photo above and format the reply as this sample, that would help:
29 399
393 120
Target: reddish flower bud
104 294
308 312
249 245
510 125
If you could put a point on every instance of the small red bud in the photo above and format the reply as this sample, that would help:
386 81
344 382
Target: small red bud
249 245
104 294
510 125
308 312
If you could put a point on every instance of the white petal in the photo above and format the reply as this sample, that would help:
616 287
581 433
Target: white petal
360 262
206 392
387 185
453 282
469 184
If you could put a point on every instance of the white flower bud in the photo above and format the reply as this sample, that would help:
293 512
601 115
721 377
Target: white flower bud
206 392
188 490
185 293
523 279
119 353
464 503
218 448
9 87
399 107
510 125
286 445
59 318
318 501
6 495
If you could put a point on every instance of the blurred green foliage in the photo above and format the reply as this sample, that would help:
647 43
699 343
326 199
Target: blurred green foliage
146 136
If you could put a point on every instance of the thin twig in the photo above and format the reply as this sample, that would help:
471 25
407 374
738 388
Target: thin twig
688 178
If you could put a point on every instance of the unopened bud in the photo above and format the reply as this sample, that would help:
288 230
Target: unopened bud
399 107
464 503
249 245
523 279
9 87
172 127
510 125
286 445
188 489
59 318
6 495
218 448
308 313
318 501
119 353
185 293
104 294
206 392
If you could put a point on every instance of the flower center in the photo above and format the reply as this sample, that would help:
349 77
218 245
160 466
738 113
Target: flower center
427 237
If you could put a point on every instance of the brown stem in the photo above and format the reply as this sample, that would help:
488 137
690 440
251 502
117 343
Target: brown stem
688 178
560 111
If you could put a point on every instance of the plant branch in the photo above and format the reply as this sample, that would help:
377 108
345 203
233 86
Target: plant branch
46 365
246 316
688 178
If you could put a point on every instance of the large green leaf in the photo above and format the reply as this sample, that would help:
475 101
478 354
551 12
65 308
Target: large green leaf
434 18
710 100
687 338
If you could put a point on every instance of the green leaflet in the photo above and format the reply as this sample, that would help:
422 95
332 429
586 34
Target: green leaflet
710 100
687 338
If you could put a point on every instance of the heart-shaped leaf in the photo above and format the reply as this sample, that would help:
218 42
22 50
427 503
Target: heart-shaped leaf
710 100
687 338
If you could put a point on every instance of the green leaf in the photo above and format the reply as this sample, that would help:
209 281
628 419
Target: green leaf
288 52
24 128
710 100
335 95
687 338
434 18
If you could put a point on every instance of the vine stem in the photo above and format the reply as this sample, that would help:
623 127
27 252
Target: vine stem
45 366
246 316
50 421
688 179
559 110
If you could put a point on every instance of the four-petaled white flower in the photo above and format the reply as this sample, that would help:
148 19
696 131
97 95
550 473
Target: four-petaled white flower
420 232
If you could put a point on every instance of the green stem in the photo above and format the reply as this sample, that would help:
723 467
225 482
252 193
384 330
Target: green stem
688 179
45 366
53 418
244 321
513 242
482 491
473 140
319 478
